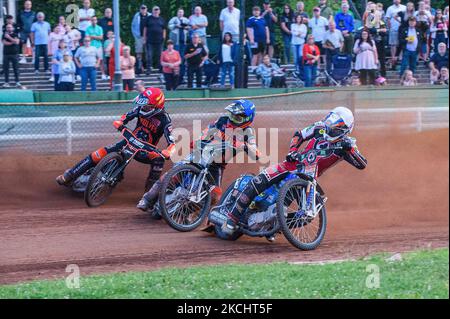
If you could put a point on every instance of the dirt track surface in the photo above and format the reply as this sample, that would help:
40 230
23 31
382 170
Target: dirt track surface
399 203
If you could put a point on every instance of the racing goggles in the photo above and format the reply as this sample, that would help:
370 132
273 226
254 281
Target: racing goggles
336 126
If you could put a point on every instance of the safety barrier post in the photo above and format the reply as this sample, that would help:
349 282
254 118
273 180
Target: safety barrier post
69 135
419 120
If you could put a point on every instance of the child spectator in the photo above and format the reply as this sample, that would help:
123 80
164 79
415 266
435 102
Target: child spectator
127 64
67 69
408 79
56 59
53 40
443 77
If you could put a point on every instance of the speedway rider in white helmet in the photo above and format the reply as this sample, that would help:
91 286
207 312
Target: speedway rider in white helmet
330 133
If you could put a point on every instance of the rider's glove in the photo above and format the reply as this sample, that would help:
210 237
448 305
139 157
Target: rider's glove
292 157
118 125
347 145
167 153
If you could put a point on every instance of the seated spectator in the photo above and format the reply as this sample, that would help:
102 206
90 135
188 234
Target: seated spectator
11 50
271 74
366 58
171 62
408 79
355 81
227 58
442 77
439 59
127 64
311 57
56 59
67 70
88 60
195 58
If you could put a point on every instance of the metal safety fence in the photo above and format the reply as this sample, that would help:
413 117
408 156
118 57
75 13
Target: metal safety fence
75 128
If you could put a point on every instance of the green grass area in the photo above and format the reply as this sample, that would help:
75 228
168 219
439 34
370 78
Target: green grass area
422 274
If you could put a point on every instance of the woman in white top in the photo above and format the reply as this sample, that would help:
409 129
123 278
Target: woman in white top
366 58
299 32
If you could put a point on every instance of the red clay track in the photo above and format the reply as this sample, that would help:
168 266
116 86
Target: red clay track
399 203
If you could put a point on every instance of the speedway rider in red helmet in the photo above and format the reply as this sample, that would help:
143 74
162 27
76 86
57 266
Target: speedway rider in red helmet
152 123
333 130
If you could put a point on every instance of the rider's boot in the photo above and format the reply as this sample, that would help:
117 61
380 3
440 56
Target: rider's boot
216 194
75 172
149 199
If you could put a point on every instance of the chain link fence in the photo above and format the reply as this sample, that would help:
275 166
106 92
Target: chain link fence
81 127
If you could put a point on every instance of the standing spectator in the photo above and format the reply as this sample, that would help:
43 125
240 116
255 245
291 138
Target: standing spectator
198 23
366 58
258 35
179 27
271 74
424 20
318 25
299 31
40 31
229 21
409 42
127 63
154 37
311 57
25 19
53 40
409 12
85 15
195 57
377 29
88 60
271 20
345 23
11 49
300 10
107 46
286 20
112 60
61 25
171 61
72 38
371 17
380 8
137 28
439 30
67 71
325 10
107 23
227 59
332 43
9 19
408 79
56 60
394 23
95 32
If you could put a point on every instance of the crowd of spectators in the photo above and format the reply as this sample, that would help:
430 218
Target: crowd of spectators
178 49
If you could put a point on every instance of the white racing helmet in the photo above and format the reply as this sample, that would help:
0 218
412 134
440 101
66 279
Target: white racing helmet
339 123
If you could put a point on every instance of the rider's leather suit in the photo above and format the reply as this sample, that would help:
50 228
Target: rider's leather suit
315 138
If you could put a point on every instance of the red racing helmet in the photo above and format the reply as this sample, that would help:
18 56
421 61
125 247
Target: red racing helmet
152 101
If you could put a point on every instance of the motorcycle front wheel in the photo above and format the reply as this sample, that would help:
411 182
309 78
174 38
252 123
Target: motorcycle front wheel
101 183
302 231
176 199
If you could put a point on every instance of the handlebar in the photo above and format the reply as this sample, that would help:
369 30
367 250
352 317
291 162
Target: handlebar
136 142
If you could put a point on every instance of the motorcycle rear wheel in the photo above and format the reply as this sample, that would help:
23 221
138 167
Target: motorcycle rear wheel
190 215
98 189
301 231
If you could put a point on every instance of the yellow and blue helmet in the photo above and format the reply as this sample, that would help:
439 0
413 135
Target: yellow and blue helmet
241 113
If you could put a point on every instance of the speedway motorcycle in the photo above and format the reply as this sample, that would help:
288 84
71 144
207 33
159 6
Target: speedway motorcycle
185 197
295 207
109 172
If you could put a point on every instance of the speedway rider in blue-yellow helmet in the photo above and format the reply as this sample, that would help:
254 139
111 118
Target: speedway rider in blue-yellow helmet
239 118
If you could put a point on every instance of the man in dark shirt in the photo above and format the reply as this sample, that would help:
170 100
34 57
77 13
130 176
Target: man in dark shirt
25 19
440 59
106 23
11 49
195 57
271 20
154 37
